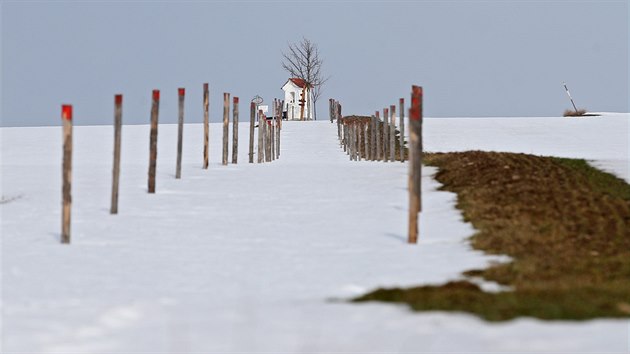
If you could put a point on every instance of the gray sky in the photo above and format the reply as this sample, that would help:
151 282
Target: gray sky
474 58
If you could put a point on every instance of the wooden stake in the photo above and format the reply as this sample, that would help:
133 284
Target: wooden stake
66 187
261 134
206 125
117 139
402 130
235 130
180 132
392 133
373 138
155 106
415 162
252 122
226 126
379 140
366 150
385 134
278 124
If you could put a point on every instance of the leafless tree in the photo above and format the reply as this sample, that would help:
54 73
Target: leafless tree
302 61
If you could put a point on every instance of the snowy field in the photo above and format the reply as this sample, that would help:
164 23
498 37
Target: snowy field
257 258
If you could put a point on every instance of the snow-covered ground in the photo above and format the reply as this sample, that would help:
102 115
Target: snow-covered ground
255 258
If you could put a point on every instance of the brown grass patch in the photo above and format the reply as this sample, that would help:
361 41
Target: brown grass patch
565 224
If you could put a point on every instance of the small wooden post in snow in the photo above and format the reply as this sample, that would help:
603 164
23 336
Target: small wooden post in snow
261 134
235 130
252 122
180 132
379 140
392 133
415 162
117 138
206 125
226 127
155 107
66 187
385 134
402 130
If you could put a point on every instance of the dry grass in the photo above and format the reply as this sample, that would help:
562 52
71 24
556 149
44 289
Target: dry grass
573 113
565 224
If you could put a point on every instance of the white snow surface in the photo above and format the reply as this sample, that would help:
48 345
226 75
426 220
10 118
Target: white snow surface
253 258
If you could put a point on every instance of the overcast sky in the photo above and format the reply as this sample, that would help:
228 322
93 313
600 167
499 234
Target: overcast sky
474 58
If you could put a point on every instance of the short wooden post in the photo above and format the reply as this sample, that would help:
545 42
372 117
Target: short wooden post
272 126
366 140
66 187
206 125
235 130
357 132
331 105
117 140
261 137
180 132
268 128
385 134
351 136
226 126
252 122
155 107
278 129
402 130
337 118
392 133
415 162
379 140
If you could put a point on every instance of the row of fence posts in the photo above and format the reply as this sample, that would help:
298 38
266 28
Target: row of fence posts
268 143
373 139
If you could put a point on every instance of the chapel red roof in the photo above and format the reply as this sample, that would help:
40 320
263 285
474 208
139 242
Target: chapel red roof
298 82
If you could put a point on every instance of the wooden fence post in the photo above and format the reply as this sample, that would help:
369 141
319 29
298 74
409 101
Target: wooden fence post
366 150
180 132
385 134
373 138
206 125
117 139
155 107
226 126
402 130
252 119
379 140
415 162
268 142
272 125
261 140
235 130
278 129
392 133
66 187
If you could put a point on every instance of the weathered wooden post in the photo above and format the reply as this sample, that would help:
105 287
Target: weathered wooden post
272 135
155 107
366 147
261 140
373 139
235 129
334 108
66 187
268 128
330 108
379 140
206 125
180 132
415 162
392 133
402 130
117 140
252 121
345 137
351 137
278 129
385 134
226 126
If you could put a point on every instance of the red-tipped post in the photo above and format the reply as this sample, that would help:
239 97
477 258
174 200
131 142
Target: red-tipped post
66 187
415 162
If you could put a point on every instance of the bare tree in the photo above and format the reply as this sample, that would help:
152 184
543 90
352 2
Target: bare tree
302 61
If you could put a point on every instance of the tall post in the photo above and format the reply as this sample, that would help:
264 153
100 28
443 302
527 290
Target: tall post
379 140
206 125
402 130
261 134
235 130
252 119
415 162
272 134
155 107
226 124
117 139
180 132
571 98
66 187
278 123
392 133
385 134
